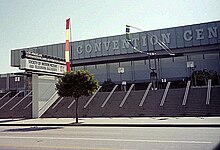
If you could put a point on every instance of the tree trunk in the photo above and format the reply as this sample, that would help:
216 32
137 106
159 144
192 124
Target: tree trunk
77 118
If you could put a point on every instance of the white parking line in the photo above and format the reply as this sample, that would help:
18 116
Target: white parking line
54 147
116 140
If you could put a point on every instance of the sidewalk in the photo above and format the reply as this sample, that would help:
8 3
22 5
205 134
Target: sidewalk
120 122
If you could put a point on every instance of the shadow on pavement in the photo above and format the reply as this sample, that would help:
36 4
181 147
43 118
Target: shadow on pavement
163 119
30 129
12 120
81 121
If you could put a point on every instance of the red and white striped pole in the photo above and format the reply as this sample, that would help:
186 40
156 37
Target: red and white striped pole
67 51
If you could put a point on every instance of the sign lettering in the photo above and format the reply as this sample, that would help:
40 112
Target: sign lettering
145 39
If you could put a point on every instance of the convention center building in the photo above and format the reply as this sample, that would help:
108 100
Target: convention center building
196 47
166 72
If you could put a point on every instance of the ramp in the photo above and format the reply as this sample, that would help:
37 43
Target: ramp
47 105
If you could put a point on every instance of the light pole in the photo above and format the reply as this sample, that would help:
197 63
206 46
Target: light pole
153 74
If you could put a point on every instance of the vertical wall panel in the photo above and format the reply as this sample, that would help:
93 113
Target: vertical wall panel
87 49
116 45
205 40
81 55
212 40
105 47
130 49
55 50
50 50
141 70
127 75
40 50
59 50
218 26
196 42
97 51
74 50
179 37
165 32
150 46
213 62
71 51
92 42
35 49
12 83
3 83
72 60
189 36
63 51
168 66
110 51
113 70
136 42
199 62
172 32
157 34
99 71
123 48
45 50
143 41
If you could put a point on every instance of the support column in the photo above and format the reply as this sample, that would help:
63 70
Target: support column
7 82
35 104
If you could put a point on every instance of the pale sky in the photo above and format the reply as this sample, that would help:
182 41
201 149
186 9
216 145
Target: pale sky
29 23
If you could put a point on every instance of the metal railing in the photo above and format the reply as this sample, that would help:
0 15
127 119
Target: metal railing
126 96
165 94
21 100
186 93
109 96
145 95
91 98
208 94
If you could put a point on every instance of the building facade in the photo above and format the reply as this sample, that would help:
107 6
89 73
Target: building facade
196 47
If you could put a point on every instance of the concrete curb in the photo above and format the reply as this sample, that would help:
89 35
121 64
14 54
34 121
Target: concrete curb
119 125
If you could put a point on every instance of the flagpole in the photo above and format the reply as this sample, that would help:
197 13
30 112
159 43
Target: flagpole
67 50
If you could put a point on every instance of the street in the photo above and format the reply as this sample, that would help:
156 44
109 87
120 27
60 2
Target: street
107 138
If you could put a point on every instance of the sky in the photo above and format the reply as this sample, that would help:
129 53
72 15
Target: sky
29 23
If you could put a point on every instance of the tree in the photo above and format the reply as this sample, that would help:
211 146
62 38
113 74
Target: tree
201 77
76 84
108 85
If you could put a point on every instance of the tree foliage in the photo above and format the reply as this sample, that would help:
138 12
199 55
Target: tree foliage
76 84
201 77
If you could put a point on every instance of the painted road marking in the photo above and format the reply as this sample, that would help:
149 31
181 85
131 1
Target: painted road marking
115 140
56 147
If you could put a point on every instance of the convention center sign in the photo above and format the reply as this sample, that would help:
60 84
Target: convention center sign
41 63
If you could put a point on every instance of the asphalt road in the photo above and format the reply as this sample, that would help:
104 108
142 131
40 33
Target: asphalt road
108 138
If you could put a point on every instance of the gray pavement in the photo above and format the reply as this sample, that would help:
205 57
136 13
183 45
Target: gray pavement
136 122
108 138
